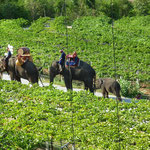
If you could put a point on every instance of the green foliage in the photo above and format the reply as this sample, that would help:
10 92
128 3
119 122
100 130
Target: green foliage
32 10
59 7
59 24
12 11
115 9
22 22
40 24
129 89
142 7
46 36
30 116
90 3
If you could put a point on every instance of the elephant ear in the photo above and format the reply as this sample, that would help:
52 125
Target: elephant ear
101 82
58 68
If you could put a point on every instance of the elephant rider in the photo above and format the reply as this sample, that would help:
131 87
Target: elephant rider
62 60
23 56
73 60
8 55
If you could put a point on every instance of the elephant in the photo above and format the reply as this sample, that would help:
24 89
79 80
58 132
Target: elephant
84 72
109 85
26 71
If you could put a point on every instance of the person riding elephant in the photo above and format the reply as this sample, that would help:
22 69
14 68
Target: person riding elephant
84 73
62 60
72 59
8 55
76 59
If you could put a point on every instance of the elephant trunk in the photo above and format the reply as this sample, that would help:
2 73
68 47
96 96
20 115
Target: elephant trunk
51 78
53 71
94 83
118 94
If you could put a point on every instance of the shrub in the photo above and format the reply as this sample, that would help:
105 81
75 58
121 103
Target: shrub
129 89
142 7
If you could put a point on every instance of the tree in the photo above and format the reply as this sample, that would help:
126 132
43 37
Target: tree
90 3
142 7
12 11
115 8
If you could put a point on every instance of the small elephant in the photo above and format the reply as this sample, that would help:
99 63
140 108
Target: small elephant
109 85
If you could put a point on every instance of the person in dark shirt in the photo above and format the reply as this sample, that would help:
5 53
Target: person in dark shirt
62 60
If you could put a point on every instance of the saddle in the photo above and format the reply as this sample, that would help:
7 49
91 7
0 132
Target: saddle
72 61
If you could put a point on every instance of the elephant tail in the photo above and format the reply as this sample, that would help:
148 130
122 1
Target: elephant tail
94 83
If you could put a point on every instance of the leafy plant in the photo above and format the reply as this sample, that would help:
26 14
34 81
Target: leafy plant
129 89
46 36
30 116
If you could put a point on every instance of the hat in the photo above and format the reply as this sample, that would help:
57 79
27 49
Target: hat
61 51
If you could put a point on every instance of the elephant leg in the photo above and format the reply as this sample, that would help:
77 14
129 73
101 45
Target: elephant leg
68 83
52 76
18 79
105 93
90 86
30 79
12 76
91 89
85 86
33 79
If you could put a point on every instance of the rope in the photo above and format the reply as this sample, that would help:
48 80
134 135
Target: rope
67 40
70 75
66 24
114 56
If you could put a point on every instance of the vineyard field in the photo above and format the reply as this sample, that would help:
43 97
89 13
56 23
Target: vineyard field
30 116
90 37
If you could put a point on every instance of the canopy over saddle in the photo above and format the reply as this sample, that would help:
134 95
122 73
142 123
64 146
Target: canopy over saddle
23 56
23 50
